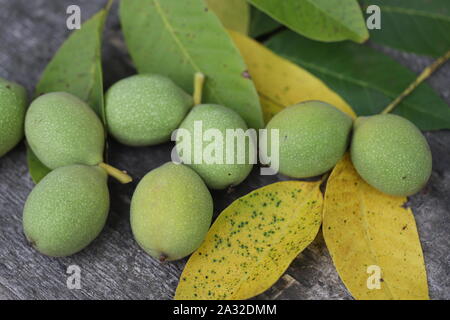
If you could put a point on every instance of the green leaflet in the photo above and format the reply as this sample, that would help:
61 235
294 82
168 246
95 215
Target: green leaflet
190 38
261 23
413 26
75 68
323 20
367 79
37 169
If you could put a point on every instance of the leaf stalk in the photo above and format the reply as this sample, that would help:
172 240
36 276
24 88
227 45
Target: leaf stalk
427 72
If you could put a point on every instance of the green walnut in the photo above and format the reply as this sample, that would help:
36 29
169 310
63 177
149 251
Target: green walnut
171 211
203 144
312 137
145 109
391 154
13 104
67 210
63 130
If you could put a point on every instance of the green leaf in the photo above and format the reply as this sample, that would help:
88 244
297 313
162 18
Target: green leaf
413 26
367 79
323 20
37 169
178 38
76 68
261 23
234 14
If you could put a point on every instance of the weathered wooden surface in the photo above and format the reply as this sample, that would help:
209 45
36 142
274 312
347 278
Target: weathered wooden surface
114 267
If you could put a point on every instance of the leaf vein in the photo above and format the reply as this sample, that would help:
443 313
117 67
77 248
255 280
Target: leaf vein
336 20
183 50
415 12
265 255
367 236
364 85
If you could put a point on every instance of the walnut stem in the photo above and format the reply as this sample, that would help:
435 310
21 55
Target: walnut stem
121 176
199 80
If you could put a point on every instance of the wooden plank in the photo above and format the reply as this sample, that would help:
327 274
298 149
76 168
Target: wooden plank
113 266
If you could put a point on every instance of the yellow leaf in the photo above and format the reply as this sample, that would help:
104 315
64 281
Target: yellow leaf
234 14
253 241
279 82
363 227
